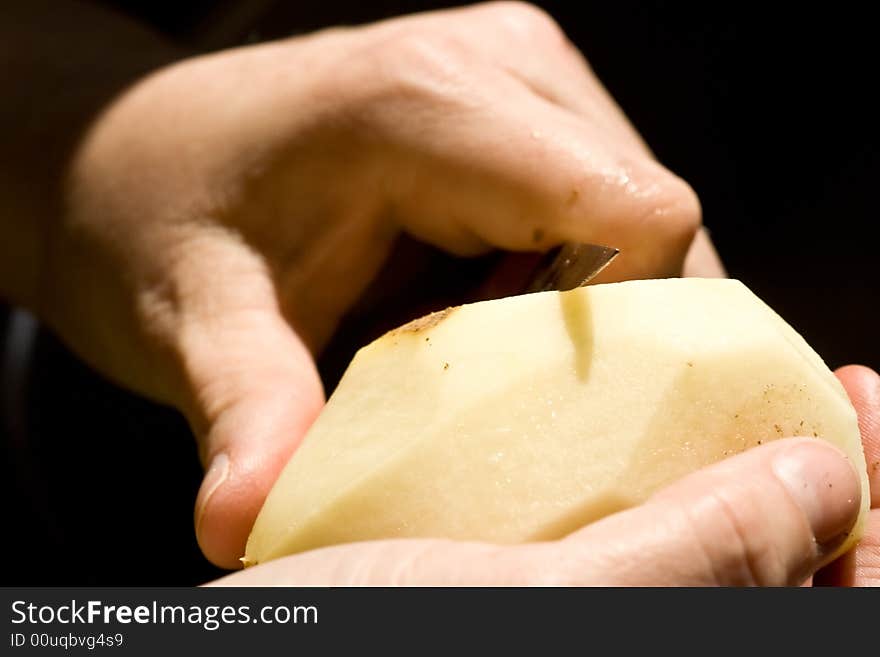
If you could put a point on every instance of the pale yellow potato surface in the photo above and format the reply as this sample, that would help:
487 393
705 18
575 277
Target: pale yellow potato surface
525 418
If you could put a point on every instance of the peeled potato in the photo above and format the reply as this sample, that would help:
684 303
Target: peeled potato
525 418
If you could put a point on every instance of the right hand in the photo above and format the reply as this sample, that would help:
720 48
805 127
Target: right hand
225 212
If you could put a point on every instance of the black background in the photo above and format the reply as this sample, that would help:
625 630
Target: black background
767 110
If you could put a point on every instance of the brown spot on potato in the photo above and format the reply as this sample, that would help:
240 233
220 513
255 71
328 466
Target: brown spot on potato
422 323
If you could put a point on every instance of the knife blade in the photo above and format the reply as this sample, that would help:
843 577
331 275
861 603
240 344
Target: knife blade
571 265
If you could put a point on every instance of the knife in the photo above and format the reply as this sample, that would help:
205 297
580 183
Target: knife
571 265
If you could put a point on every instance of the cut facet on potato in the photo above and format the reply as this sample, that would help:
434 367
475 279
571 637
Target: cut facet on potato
527 417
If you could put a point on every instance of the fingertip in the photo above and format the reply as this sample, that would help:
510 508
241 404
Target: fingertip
227 509
862 384
256 439
824 484
216 521
859 377
223 517
702 259
654 218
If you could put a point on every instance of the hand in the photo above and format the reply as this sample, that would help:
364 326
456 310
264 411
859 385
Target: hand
861 566
769 516
223 214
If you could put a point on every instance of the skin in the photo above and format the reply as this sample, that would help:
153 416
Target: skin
196 227
861 567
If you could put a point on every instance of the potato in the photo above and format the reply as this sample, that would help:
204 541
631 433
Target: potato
525 418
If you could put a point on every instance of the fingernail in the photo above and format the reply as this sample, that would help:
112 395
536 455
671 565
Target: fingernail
216 474
824 484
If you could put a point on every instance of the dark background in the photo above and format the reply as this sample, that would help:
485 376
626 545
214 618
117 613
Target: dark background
768 111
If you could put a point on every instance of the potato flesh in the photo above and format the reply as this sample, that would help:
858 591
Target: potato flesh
527 417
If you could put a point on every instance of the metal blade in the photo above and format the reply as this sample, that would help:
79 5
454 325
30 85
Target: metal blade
570 266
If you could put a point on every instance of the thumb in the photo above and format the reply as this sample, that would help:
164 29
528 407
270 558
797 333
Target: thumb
256 391
768 517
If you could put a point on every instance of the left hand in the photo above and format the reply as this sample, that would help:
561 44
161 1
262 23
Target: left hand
712 527
861 566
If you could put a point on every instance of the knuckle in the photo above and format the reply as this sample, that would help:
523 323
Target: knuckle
561 563
417 563
419 65
734 552
423 55
544 565
528 21
440 561
366 568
